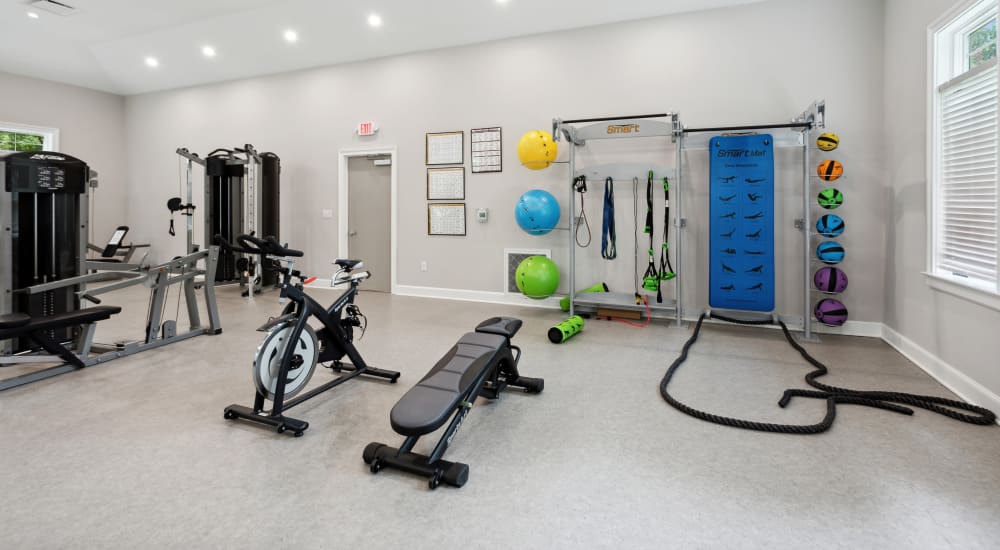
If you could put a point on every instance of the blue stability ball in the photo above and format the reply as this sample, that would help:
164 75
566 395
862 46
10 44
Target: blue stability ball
537 212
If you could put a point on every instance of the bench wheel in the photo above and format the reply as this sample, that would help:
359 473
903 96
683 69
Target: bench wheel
376 466
229 415
370 452
534 386
456 475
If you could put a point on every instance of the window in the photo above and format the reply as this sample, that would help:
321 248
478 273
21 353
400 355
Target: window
20 137
964 148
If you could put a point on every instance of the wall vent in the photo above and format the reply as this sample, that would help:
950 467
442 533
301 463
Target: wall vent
512 257
52 6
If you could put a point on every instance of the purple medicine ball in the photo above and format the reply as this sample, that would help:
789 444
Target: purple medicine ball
830 280
831 312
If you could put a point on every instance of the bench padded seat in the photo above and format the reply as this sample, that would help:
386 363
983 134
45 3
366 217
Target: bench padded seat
429 404
15 325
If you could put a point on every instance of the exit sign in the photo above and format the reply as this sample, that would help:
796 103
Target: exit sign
367 129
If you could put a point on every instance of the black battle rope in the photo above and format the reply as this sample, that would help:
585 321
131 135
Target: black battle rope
580 184
651 278
833 395
609 248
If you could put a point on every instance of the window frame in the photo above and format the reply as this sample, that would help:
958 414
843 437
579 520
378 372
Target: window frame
952 30
50 136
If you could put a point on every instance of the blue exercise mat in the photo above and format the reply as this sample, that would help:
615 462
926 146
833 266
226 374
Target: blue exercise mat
741 222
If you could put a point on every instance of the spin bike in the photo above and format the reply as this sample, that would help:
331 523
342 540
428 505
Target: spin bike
287 357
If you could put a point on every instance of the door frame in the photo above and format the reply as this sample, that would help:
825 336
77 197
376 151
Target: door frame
343 197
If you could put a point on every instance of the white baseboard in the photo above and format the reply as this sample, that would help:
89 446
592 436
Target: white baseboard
475 296
950 377
867 329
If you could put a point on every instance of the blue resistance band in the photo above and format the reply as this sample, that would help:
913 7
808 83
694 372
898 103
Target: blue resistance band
608 227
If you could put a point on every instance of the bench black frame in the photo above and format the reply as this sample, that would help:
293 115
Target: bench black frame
497 377
334 340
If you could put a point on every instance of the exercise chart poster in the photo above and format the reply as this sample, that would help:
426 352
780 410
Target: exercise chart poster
487 150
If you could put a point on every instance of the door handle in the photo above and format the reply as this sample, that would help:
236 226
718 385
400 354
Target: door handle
351 233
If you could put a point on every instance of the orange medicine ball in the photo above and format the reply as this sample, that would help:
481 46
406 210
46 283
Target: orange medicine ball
830 170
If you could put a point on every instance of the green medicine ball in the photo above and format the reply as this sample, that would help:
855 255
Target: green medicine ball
830 198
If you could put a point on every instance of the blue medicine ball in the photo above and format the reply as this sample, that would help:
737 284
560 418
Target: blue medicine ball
537 212
830 225
830 252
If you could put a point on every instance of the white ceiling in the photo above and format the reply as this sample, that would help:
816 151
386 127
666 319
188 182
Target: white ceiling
103 46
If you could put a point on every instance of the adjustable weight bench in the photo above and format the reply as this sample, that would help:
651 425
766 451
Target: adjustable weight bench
482 363
36 329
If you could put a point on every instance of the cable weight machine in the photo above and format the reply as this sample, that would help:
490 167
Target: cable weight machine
44 275
242 196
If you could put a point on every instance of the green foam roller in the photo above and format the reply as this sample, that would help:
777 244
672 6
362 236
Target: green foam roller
599 287
566 329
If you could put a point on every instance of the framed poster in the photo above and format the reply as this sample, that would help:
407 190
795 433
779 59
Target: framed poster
446 183
445 148
487 150
446 219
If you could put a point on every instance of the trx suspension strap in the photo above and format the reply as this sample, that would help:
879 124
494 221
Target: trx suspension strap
651 278
609 250
666 270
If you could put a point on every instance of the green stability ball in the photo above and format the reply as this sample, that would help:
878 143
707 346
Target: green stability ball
537 277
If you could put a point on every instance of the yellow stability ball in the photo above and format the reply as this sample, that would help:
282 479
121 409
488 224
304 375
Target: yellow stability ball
536 150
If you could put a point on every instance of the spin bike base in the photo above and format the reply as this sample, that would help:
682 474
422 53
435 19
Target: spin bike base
282 423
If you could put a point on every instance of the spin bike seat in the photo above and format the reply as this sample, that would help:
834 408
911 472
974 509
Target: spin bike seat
347 264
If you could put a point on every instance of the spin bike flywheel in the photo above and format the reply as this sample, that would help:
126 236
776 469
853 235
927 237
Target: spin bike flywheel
267 362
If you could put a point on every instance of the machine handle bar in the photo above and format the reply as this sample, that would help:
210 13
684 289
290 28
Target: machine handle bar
267 247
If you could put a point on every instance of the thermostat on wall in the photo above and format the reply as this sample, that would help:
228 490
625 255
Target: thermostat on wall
483 215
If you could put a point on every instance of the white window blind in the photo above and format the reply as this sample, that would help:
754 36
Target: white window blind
967 195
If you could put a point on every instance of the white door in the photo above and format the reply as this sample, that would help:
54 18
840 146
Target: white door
369 192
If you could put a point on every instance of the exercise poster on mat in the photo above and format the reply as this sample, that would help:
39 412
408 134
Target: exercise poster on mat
742 222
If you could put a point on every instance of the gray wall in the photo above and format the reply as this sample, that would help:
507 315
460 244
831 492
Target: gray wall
759 63
91 127
958 332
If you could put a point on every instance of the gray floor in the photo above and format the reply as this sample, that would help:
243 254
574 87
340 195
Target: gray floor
135 453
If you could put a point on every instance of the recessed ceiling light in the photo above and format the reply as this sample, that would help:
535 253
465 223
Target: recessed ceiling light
208 51
501 2
152 62
32 15
375 20
291 36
